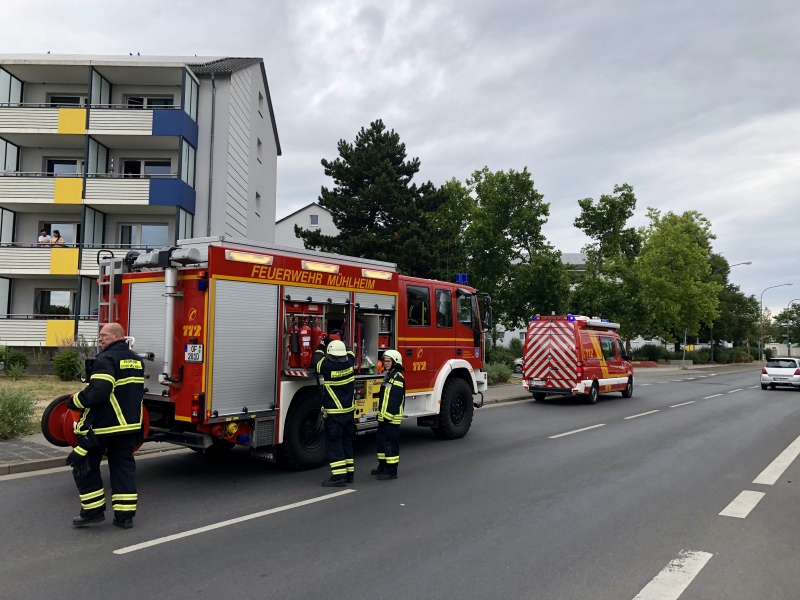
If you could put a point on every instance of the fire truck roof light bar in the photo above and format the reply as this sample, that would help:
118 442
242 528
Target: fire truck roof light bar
373 274
247 257
310 265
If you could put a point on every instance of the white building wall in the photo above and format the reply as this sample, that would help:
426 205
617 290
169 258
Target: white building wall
284 229
263 163
238 155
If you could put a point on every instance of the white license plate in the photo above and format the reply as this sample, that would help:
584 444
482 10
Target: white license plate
193 353
536 383
780 379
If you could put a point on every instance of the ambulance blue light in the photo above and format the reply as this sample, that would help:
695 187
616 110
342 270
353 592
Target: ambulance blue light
534 317
462 279
604 320
243 439
570 317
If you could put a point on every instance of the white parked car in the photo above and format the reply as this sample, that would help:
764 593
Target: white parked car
784 372
518 365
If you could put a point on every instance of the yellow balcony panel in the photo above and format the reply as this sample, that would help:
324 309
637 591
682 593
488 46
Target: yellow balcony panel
60 332
72 120
64 261
68 190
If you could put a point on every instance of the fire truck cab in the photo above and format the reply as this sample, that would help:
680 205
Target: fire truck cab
572 354
232 325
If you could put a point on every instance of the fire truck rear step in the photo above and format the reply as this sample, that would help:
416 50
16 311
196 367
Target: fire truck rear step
187 439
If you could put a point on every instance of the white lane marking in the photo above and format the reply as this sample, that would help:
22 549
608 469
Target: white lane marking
64 469
683 404
671 582
742 504
641 414
776 468
690 379
702 376
752 387
734 391
263 513
676 380
714 396
644 384
662 381
552 437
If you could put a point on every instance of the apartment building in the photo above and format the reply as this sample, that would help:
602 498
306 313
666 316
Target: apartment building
121 153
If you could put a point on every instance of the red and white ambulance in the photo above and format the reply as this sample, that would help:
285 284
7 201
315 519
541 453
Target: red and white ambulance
572 354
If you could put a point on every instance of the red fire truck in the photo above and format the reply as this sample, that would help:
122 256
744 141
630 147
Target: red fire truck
575 355
231 326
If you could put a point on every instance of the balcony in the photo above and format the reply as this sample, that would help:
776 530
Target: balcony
114 120
155 190
39 188
42 119
42 330
18 259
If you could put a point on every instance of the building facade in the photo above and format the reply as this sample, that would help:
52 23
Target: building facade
117 154
311 216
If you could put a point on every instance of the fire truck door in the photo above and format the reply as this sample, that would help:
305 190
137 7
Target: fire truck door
244 347
419 341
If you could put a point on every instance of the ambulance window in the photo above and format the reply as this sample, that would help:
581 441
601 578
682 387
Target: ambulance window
419 302
444 308
607 345
620 348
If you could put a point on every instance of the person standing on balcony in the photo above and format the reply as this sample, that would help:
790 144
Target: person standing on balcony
57 240
44 239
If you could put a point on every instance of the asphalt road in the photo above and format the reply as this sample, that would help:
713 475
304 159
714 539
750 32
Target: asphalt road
612 512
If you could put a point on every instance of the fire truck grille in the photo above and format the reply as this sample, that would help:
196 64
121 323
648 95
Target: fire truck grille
265 433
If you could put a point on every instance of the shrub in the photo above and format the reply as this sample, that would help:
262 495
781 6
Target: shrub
651 352
66 365
40 356
16 412
515 347
15 371
500 355
498 373
14 358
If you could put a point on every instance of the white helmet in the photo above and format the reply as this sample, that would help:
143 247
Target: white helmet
395 356
337 348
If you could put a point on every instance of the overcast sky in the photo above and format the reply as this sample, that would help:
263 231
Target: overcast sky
695 104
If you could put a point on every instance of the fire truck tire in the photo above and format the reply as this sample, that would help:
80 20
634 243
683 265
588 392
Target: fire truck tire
594 393
628 391
302 447
455 414
53 422
539 396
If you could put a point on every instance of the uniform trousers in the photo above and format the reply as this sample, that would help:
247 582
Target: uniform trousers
122 468
339 433
388 445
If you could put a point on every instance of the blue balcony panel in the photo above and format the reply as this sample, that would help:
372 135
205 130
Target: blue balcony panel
175 122
172 192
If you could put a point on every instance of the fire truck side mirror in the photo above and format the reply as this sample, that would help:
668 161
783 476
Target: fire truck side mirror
487 313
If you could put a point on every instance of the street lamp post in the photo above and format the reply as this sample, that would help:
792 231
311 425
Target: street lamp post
761 320
711 327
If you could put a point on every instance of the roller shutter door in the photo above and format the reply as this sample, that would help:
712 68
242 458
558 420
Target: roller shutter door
319 296
147 321
369 301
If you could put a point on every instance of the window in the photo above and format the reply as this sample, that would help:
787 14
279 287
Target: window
10 88
185 224
147 168
313 220
187 162
8 156
98 158
466 309
5 297
101 90
444 308
67 101
781 363
620 348
418 305
259 148
54 302
521 336
69 231
6 226
258 204
149 103
88 307
190 89
151 235
607 346
260 102
94 222
62 166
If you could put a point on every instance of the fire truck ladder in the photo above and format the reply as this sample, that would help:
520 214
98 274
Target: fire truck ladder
110 271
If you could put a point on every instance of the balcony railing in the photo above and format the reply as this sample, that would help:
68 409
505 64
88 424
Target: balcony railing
26 259
42 330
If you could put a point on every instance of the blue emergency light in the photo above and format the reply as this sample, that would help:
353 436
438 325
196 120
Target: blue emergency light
461 279
534 317
570 317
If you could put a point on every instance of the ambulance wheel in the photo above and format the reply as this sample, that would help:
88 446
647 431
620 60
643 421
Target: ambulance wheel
539 396
628 391
303 447
455 414
53 421
594 393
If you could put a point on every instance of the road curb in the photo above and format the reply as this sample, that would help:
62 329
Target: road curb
50 463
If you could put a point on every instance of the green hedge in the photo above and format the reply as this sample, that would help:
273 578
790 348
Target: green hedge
14 358
16 412
699 357
498 373
66 364
500 356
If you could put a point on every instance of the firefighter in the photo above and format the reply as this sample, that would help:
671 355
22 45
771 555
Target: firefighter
392 396
335 363
418 312
110 423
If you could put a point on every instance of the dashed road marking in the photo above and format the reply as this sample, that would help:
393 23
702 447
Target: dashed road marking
742 504
714 396
734 391
263 513
552 437
776 468
752 387
641 414
683 404
671 582
645 384
690 379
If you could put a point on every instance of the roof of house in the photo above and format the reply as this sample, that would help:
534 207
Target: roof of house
573 258
301 210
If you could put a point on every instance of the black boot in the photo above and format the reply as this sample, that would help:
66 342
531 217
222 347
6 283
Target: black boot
377 471
351 477
334 482
124 523
385 476
81 521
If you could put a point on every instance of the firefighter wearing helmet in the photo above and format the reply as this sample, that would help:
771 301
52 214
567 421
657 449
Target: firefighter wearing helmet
392 395
335 364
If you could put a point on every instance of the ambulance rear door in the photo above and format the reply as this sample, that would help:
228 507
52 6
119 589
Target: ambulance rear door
551 360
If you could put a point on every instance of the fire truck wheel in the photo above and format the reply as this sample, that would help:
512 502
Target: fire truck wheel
455 414
539 396
303 447
53 421
593 394
628 391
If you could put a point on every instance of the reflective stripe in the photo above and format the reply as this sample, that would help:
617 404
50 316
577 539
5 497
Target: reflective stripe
398 383
79 427
124 497
337 411
349 461
339 463
118 410
128 380
91 505
351 469
381 456
90 495
339 471
76 401
124 507
80 451
116 429
392 460
104 377
341 381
